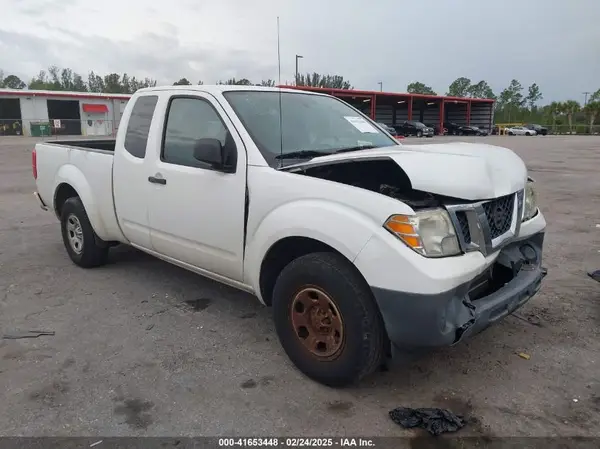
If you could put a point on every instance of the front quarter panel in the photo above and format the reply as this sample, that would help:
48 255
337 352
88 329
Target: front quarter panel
293 205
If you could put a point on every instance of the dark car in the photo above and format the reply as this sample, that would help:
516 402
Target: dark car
454 129
388 128
541 130
436 129
414 128
473 131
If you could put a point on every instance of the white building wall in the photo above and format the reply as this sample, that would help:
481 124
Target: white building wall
33 109
97 124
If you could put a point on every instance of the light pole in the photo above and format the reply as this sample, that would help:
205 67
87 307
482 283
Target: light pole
380 86
297 57
585 98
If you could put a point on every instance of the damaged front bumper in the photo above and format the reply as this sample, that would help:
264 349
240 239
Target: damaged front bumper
444 319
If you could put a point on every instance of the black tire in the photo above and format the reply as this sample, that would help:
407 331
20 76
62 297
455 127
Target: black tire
364 338
510 133
419 133
528 134
92 253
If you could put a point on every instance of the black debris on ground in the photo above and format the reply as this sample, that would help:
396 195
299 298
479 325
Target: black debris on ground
435 420
15 335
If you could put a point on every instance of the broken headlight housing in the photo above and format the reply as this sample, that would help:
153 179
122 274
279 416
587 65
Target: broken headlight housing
530 202
429 232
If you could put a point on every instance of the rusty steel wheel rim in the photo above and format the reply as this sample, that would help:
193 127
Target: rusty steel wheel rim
317 323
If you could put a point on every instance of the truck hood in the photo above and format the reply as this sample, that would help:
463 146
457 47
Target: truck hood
469 171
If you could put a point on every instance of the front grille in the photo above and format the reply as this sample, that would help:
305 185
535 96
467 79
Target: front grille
463 223
499 214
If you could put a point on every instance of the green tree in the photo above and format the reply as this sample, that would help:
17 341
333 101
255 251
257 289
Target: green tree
533 96
571 107
200 83
267 83
112 84
481 90
511 101
182 82
325 81
95 82
236 82
419 88
595 96
460 87
13 82
555 110
591 111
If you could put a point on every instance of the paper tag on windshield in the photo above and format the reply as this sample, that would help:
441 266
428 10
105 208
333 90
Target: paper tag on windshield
362 125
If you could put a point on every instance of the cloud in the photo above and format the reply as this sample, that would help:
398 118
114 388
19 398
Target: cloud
392 41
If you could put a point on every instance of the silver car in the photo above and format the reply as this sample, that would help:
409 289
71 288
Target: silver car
519 131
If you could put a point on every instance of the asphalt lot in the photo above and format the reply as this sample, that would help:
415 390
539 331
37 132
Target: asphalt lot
146 348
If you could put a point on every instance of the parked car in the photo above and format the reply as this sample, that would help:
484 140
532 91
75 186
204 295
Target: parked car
473 131
414 128
388 128
359 244
436 129
519 131
539 129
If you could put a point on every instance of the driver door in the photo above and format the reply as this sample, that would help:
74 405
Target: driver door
197 212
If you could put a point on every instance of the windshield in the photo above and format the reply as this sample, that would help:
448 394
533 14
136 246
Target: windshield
312 124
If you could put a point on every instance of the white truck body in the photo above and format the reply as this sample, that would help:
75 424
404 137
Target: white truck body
227 224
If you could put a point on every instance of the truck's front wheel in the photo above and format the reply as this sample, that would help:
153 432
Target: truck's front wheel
79 237
327 320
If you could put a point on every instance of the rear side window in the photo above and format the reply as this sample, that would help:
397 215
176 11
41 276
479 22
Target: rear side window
139 125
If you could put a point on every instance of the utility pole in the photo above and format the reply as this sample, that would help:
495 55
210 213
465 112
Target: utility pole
297 57
585 98
380 86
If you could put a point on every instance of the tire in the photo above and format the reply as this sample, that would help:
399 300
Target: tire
362 338
510 133
419 133
528 134
74 221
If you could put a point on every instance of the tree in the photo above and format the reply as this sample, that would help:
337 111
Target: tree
555 109
511 101
571 107
236 82
460 87
592 110
481 90
95 82
533 96
324 81
112 84
13 82
419 88
182 82
200 83
267 83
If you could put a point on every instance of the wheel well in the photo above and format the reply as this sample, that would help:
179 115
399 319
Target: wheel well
63 193
280 255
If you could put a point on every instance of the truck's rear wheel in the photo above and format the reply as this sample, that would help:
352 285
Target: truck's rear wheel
80 240
327 320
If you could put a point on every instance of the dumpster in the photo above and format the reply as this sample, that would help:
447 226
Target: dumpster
40 129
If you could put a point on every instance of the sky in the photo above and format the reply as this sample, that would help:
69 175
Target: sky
553 44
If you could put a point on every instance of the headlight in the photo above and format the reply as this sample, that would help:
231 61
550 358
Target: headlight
530 206
429 232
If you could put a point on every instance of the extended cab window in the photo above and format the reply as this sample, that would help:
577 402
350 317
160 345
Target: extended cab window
188 120
138 127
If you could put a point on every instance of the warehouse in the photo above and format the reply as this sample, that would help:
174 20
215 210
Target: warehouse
41 113
433 110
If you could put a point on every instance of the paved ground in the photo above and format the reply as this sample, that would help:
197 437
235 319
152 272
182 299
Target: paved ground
145 348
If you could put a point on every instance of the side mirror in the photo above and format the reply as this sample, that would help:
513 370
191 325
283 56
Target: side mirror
210 151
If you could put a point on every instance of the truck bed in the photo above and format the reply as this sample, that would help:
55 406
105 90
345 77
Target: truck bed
88 144
85 165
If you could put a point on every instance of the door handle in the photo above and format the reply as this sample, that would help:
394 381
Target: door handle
155 180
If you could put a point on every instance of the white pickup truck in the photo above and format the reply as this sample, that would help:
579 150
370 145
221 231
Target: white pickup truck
360 244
